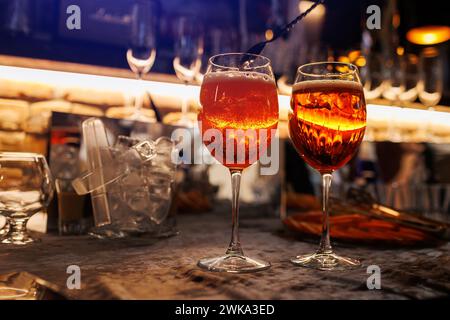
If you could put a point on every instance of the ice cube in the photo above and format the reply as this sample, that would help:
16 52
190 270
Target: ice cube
141 197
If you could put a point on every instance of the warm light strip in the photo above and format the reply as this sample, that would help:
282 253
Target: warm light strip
406 117
171 93
61 79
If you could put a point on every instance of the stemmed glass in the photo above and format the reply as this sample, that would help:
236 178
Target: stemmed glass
142 51
411 79
26 188
394 83
188 57
431 76
372 76
327 121
238 121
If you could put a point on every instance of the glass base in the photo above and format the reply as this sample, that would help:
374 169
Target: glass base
233 263
21 239
7 293
326 261
137 115
185 122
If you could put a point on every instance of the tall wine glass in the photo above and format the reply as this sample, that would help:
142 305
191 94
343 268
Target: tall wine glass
431 74
238 94
372 76
394 83
327 121
411 79
188 57
142 51
26 188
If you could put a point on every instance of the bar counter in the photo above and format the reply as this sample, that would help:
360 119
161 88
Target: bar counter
166 268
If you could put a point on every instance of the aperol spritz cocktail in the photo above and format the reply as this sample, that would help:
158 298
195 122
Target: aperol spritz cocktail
327 121
238 117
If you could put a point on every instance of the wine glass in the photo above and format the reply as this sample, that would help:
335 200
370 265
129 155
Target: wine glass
431 76
142 51
411 79
188 58
372 76
327 121
394 83
26 188
238 120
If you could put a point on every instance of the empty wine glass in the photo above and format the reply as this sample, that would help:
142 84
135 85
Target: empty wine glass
142 51
188 58
411 78
430 84
394 83
372 76
26 188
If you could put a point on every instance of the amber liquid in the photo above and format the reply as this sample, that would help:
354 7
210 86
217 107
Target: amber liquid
327 121
239 101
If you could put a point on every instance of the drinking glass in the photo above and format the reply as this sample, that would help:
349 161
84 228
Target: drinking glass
394 83
3 226
430 84
188 57
142 51
372 76
238 94
327 121
26 188
411 78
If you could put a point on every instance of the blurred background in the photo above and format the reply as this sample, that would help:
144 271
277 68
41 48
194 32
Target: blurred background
37 29
404 66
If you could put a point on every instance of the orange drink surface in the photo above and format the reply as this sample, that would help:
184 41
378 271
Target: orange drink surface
327 121
243 108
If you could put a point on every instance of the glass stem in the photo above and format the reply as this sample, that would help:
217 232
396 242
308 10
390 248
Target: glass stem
184 104
139 98
18 228
325 246
235 244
